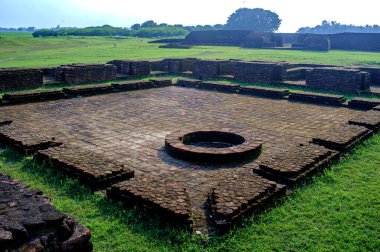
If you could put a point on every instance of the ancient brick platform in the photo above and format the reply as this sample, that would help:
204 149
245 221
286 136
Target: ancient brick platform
296 163
29 222
96 170
24 139
342 137
118 140
369 119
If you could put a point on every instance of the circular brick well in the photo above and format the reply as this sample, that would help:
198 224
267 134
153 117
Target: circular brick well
212 146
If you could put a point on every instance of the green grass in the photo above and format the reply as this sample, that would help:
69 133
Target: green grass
338 211
22 50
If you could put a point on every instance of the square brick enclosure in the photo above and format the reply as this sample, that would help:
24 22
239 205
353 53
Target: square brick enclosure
117 141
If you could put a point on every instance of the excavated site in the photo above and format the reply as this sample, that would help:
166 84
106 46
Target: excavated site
200 153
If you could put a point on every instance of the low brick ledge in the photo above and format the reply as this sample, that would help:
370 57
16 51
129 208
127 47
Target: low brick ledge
325 99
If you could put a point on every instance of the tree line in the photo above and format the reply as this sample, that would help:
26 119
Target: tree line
332 27
107 30
257 19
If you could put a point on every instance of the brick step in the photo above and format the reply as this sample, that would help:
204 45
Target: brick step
132 85
265 92
324 99
188 83
296 164
343 137
33 96
161 82
224 87
369 119
88 90
362 103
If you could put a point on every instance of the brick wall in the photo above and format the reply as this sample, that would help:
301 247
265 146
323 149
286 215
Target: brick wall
375 73
177 66
206 69
86 73
133 68
20 78
338 79
260 72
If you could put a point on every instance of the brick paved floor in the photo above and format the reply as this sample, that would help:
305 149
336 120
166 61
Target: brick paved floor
130 128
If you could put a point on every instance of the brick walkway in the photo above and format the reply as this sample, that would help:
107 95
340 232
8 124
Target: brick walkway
110 137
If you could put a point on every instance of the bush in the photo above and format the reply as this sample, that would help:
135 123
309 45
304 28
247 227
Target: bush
106 30
166 31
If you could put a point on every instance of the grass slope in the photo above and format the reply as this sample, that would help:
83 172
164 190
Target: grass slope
339 211
22 50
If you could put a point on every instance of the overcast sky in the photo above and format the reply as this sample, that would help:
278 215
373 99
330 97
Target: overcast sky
124 13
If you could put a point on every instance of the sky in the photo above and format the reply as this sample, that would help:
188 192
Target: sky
124 13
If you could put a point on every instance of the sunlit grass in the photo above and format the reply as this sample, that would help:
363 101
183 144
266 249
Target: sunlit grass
24 50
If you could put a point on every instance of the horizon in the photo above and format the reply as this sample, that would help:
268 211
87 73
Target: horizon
84 13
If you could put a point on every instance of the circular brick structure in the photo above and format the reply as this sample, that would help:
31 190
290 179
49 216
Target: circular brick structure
212 146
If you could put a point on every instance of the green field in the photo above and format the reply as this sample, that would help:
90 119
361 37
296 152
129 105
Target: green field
338 211
22 50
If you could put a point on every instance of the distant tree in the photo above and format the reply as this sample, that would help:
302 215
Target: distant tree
331 27
149 24
257 19
135 27
163 25
218 27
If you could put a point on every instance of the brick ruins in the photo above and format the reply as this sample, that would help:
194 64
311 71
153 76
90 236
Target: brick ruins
199 153
14 78
85 73
287 41
312 76
29 222
338 80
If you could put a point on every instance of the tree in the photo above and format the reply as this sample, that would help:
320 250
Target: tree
135 27
258 20
149 24
332 27
218 27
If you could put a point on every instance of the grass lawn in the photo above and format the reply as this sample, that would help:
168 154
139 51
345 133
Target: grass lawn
22 50
338 211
